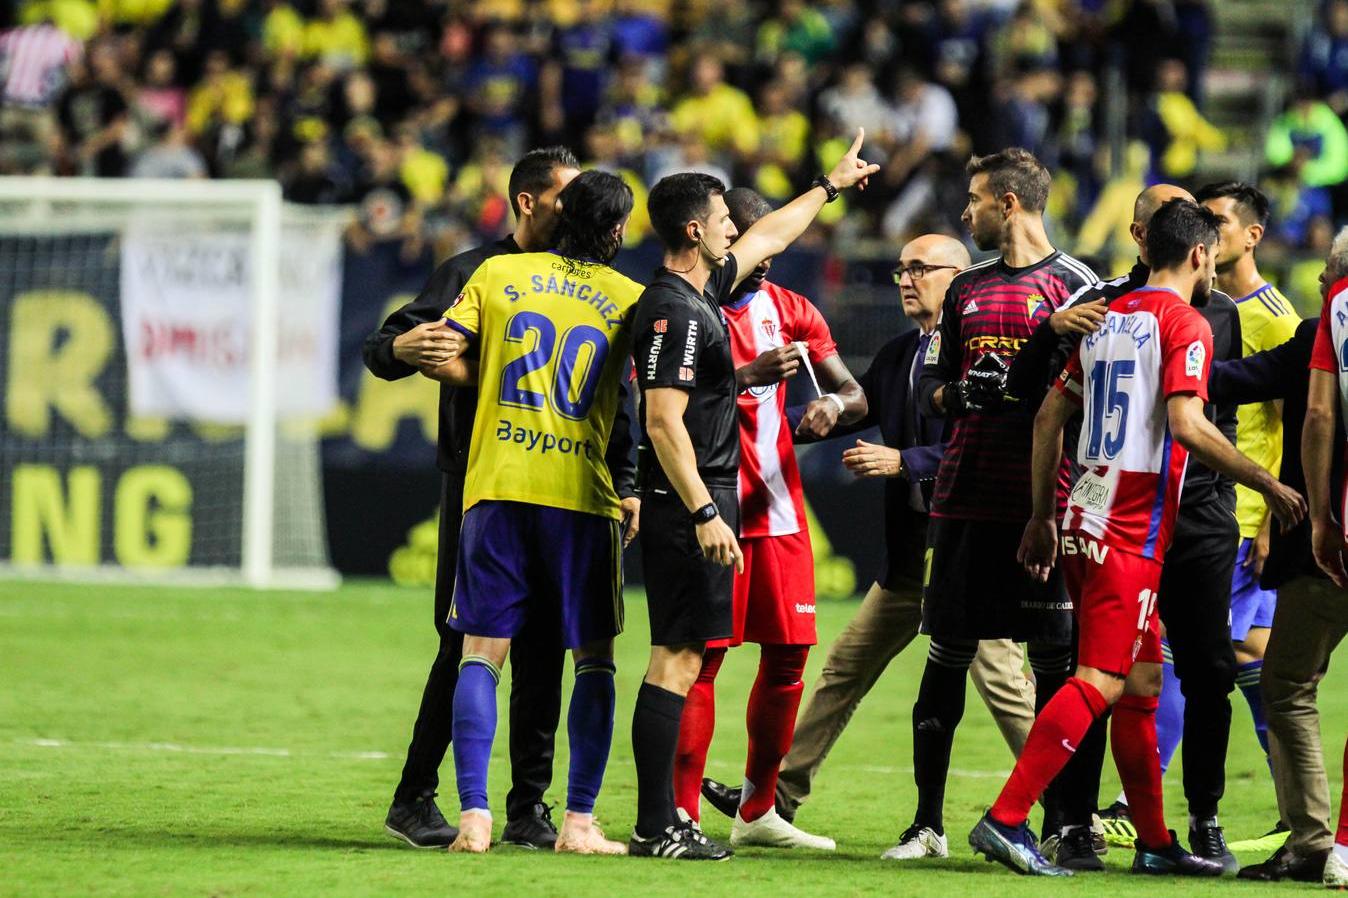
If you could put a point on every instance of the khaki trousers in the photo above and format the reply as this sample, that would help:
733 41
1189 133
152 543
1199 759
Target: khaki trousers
1311 620
886 622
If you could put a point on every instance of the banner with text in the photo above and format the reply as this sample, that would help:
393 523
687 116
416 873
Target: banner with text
187 322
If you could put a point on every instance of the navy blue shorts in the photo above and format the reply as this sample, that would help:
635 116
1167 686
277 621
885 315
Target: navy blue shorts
519 561
1251 605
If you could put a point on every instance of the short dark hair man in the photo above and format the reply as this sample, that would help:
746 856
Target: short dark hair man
412 338
1267 320
1140 382
974 588
773 331
690 460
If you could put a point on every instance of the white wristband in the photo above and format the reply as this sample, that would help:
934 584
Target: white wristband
836 401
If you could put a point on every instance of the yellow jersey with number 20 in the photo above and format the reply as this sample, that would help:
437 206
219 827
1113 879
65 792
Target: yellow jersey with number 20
552 335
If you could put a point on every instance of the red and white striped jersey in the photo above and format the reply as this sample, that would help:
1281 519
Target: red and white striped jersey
1331 354
33 60
1153 345
772 502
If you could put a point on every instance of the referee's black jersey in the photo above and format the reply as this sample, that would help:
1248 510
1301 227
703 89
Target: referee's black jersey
1207 497
682 340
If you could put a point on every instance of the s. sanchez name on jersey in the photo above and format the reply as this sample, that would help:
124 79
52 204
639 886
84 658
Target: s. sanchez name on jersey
992 307
551 336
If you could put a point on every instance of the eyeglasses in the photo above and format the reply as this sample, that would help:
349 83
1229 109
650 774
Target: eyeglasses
917 270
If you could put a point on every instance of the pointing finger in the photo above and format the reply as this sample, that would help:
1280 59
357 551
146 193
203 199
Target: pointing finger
856 144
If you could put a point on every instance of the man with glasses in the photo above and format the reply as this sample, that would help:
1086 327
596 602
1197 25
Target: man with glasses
888 619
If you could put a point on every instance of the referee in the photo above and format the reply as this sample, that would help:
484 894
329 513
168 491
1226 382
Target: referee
415 337
689 461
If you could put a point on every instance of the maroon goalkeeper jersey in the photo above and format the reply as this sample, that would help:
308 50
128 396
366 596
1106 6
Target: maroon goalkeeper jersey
991 307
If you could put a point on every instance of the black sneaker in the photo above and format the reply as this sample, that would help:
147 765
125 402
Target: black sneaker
682 841
1172 860
535 830
725 799
1076 851
1014 847
419 823
1285 865
1207 841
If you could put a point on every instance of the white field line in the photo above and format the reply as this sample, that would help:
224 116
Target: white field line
177 748
265 752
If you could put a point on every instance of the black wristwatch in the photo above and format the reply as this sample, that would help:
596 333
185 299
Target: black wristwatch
824 182
708 512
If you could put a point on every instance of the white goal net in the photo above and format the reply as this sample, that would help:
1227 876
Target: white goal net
168 349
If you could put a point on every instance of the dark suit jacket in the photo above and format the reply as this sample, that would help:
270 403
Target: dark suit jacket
1282 372
893 407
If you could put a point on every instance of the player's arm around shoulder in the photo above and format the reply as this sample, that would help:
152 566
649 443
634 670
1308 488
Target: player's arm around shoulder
414 336
462 323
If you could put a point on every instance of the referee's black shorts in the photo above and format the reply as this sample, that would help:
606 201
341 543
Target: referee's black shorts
975 589
688 596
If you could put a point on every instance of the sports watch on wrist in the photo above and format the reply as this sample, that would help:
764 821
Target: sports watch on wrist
706 513
824 182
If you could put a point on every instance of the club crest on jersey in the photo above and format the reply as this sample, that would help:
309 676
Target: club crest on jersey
970 307
661 325
1032 303
769 328
933 350
1193 359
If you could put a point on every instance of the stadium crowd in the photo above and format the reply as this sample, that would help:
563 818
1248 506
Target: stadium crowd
423 116
412 110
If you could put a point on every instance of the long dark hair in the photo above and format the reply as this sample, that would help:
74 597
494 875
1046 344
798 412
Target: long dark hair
593 206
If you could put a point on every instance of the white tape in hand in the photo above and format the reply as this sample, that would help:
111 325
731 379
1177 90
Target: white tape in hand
804 351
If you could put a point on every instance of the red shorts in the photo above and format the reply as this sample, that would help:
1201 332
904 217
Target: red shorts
774 597
1115 597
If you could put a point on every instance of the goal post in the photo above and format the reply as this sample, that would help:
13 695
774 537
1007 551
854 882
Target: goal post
170 347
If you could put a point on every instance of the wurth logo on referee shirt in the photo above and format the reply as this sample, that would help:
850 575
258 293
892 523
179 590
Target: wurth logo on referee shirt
690 344
653 357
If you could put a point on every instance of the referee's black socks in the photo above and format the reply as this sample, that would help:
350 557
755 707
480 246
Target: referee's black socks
655 738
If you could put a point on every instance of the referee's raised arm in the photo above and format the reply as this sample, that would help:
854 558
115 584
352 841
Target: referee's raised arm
774 232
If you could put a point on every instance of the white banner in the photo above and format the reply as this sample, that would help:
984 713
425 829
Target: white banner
187 321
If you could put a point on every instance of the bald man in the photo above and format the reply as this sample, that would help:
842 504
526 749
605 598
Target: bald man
891 612
1194 601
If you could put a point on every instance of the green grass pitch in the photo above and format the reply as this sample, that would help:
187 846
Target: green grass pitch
230 743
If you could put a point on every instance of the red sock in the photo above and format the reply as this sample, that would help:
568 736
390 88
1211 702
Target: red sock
1133 739
1057 730
695 730
771 720
1341 838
